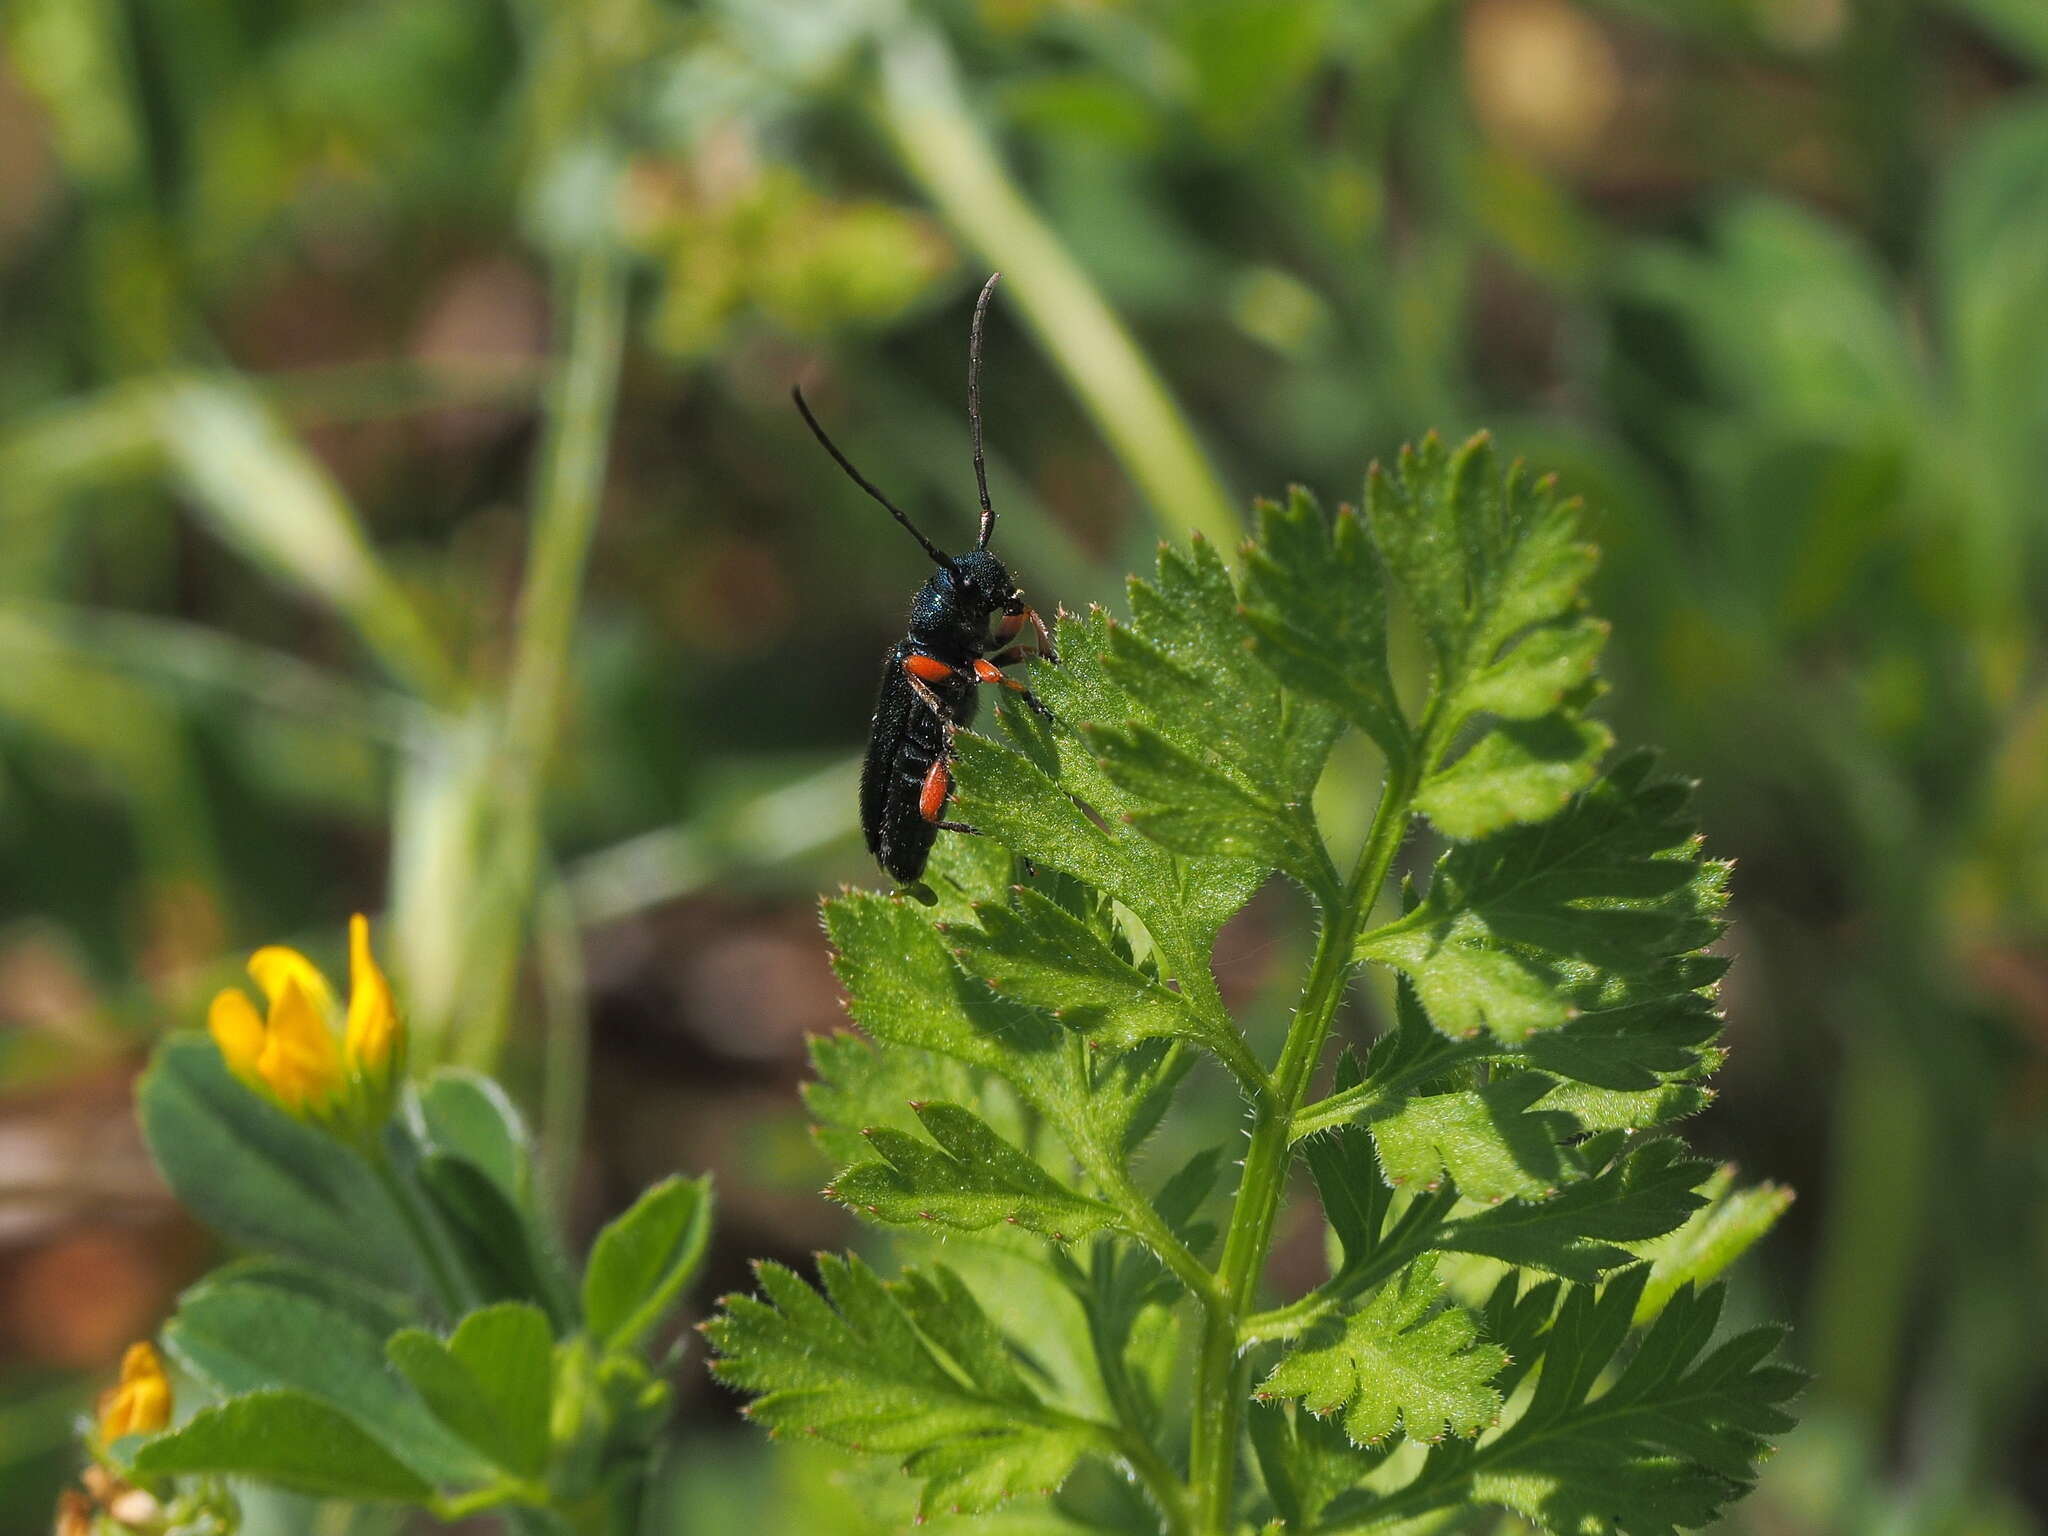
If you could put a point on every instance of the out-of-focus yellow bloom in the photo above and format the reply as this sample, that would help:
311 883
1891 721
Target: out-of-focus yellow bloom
373 1037
292 1053
141 1404
300 1063
238 1030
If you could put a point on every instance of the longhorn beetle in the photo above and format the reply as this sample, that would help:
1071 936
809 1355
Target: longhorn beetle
965 623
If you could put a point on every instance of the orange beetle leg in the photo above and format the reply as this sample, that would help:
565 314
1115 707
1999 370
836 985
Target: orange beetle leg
985 672
938 784
928 669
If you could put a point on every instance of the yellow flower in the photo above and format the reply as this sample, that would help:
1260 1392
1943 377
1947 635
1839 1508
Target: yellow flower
374 1035
141 1404
292 1054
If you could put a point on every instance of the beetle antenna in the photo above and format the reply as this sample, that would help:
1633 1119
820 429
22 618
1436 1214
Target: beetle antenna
988 512
938 555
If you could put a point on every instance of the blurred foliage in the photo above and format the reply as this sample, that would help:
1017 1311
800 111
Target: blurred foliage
290 299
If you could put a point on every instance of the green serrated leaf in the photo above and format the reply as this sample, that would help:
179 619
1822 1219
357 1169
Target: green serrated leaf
1493 568
855 1086
1488 1139
966 1177
1355 1197
1519 932
643 1261
1193 807
1315 599
1305 1461
1038 953
1520 772
239 1337
287 1438
904 989
1398 1364
1677 1434
1713 1237
1029 802
1642 1195
915 1371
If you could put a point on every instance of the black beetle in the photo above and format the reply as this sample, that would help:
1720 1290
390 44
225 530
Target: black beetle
965 623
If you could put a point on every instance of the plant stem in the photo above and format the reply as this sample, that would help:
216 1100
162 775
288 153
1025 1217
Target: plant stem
943 147
1219 1396
579 415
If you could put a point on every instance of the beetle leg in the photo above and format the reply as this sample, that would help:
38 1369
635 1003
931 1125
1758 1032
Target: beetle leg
1045 646
931 796
923 690
957 826
1012 650
985 672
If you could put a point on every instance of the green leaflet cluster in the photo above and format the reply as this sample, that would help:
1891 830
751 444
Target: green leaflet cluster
1506 1206
405 1327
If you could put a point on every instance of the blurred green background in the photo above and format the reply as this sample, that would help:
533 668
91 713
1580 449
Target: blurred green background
401 510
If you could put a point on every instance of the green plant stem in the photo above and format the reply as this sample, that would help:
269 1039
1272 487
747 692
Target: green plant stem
566 1053
1219 1396
579 415
945 150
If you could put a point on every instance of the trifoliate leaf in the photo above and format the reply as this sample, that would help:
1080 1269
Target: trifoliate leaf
1516 929
1398 1365
489 1383
240 1336
914 1370
965 1176
1641 1195
287 1438
643 1261
1315 598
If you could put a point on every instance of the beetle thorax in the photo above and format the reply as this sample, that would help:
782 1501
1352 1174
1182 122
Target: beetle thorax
953 610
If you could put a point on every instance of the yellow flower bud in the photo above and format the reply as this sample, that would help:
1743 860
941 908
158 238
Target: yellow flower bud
274 965
141 1404
374 1033
237 1030
300 1063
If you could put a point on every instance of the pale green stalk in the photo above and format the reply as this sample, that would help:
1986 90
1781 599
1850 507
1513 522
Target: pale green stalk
579 416
943 147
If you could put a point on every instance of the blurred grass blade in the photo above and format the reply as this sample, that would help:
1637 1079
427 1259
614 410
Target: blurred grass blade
755 832
270 499
176 655
438 817
566 500
943 147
